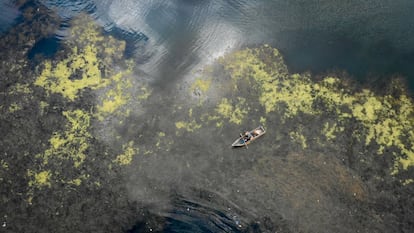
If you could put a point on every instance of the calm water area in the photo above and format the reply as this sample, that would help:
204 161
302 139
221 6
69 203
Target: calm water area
366 39
171 39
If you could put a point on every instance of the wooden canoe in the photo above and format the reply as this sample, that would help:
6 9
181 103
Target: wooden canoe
243 140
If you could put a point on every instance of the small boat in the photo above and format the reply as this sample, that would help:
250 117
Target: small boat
248 137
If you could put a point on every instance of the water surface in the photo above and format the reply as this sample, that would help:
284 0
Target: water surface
200 184
363 38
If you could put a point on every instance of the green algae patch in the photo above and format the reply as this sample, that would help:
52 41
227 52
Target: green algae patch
4 165
330 130
367 111
388 123
263 121
40 179
331 80
408 181
119 94
114 99
73 142
275 85
21 95
129 151
144 93
383 120
75 182
234 113
190 126
42 106
111 104
200 85
20 88
14 107
73 74
299 138
163 142
87 64
295 95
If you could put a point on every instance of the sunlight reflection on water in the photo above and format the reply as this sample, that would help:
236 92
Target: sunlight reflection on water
184 35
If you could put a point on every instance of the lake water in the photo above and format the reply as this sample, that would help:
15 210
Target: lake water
171 39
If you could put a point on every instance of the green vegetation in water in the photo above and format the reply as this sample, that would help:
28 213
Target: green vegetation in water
61 78
129 151
73 142
330 130
385 120
299 138
87 65
202 85
39 179
233 111
188 126
53 157
71 159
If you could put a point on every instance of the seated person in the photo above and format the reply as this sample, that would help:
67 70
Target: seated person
247 135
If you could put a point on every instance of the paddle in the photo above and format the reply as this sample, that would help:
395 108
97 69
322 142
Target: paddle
244 141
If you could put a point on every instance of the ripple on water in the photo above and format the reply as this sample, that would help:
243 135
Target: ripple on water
8 15
208 213
68 9
181 34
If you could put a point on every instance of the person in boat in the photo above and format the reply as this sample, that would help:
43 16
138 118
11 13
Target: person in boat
247 136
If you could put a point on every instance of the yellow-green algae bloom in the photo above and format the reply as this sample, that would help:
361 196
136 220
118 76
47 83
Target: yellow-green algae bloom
83 66
89 65
14 107
331 129
299 138
76 181
115 97
4 164
202 85
387 120
87 62
235 113
73 142
39 179
21 93
188 126
62 78
128 153
20 88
